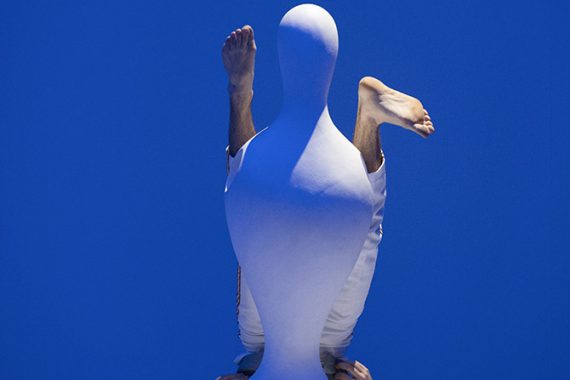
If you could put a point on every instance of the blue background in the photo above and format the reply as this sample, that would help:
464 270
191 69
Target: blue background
115 260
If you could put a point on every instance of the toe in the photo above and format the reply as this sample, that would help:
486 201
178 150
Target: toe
245 37
233 39
238 38
421 130
250 38
249 30
227 42
248 27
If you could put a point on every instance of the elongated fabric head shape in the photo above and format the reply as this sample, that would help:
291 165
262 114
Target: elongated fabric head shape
308 47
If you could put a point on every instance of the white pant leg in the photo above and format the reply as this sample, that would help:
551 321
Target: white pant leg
338 330
250 329
349 305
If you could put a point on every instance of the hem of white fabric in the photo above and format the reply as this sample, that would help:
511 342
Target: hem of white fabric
378 173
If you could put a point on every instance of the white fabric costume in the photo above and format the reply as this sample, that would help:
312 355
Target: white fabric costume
338 331
299 206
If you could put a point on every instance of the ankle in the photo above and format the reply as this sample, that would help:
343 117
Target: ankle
367 118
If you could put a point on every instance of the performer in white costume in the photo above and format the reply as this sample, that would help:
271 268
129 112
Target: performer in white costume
304 205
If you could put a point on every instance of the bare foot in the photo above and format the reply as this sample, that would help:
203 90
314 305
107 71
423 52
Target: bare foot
238 55
385 105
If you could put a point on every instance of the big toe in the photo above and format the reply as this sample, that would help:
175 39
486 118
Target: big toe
248 29
250 36
245 37
423 130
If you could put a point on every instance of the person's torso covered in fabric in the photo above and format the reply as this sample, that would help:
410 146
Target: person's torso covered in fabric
344 314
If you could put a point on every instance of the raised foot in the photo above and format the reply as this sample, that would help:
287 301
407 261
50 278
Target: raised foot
238 55
385 105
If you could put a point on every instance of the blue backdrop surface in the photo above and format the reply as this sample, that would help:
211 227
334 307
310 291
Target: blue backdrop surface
115 260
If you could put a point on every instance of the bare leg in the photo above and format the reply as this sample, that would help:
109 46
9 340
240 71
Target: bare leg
367 139
379 104
238 55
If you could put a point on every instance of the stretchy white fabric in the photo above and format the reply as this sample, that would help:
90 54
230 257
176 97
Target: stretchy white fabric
300 205
338 331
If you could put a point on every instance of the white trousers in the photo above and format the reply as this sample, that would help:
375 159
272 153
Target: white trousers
338 331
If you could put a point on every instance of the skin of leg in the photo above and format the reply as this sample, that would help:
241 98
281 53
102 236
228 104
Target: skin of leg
367 139
238 55
241 127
